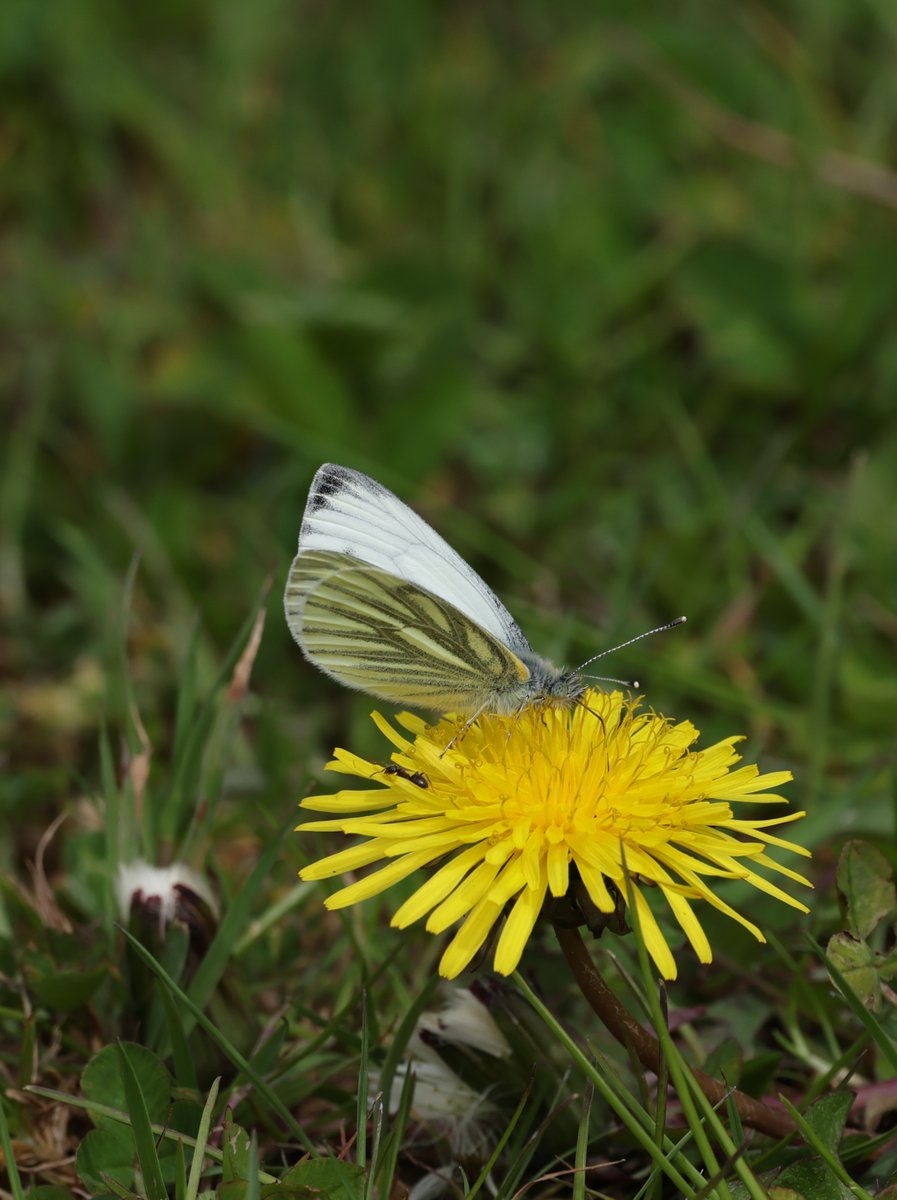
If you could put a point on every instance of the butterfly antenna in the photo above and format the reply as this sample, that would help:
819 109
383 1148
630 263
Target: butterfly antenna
627 683
622 646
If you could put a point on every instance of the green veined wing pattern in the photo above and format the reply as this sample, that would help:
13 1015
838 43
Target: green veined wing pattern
382 634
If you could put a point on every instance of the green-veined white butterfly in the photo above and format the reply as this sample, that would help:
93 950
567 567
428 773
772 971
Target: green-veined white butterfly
376 599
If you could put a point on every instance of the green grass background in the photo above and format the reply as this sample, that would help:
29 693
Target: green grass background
606 292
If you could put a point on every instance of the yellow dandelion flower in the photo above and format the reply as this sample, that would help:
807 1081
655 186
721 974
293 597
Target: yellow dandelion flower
516 801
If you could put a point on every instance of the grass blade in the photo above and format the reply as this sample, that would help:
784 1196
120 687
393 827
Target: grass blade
230 1050
147 1154
202 1137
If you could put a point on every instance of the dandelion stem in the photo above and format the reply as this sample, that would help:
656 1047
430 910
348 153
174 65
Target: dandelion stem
630 1033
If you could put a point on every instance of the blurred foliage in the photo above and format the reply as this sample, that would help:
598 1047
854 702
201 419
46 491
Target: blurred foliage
606 292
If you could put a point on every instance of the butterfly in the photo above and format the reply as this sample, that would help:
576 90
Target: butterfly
380 602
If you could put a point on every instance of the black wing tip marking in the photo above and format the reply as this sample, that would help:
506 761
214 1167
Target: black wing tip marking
328 480
331 479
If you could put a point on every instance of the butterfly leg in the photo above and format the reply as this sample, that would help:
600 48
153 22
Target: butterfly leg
464 728
582 704
516 715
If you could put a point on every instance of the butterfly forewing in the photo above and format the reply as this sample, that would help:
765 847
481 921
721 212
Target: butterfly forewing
382 634
350 513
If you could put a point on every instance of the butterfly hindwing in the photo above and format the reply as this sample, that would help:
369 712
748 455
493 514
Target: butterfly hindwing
386 635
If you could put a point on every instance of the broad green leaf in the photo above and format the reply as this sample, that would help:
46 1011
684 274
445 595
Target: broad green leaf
856 962
235 1145
101 1081
828 1116
866 883
64 991
107 1151
327 1177
811 1180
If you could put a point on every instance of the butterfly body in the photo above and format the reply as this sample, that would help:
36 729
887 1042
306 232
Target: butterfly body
376 599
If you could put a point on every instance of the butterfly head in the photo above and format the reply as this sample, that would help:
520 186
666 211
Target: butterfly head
548 682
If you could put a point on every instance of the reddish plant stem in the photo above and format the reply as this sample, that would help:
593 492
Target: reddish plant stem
648 1049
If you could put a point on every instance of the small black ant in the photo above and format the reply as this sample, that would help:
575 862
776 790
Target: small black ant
416 777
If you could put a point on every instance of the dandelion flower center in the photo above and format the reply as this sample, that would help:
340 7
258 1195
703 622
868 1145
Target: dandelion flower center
504 812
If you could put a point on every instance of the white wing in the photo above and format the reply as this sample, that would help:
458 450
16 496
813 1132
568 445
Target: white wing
350 513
